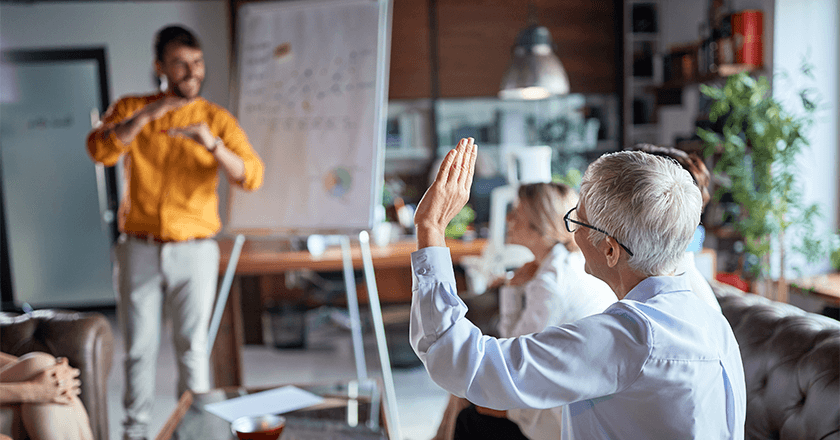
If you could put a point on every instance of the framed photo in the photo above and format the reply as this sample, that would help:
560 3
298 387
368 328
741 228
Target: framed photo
643 109
643 18
643 53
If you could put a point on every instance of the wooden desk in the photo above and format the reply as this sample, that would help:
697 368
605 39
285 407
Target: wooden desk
273 256
823 287
267 260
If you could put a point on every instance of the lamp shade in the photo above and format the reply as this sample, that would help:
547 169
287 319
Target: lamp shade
535 71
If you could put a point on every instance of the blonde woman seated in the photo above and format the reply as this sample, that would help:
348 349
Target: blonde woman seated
542 293
42 393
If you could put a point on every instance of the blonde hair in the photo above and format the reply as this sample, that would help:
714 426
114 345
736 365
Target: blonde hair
544 205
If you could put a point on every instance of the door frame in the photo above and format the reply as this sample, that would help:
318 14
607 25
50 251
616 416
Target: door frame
24 56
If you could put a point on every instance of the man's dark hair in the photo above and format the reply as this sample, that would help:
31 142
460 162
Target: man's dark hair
174 35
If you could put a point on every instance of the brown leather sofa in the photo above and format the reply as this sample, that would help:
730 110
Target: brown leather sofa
791 365
85 339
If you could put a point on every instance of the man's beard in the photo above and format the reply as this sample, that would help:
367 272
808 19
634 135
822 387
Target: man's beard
176 89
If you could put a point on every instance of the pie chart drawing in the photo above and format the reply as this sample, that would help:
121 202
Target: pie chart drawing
337 182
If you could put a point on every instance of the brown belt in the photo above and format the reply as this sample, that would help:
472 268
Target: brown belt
149 238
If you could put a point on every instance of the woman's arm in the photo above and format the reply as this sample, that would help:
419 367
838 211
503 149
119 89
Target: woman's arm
17 392
56 384
6 359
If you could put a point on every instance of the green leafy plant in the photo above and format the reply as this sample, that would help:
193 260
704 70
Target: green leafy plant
758 144
834 255
458 226
572 178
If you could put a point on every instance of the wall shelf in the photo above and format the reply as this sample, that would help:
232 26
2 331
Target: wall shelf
642 69
724 70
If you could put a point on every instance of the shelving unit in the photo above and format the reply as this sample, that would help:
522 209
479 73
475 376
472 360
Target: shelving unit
724 71
642 70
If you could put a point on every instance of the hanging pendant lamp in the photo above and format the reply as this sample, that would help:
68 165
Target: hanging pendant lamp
535 71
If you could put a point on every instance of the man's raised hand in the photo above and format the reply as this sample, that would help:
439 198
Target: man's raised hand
447 194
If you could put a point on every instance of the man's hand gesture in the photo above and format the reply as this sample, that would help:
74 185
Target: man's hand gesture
447 195
198 132
129 128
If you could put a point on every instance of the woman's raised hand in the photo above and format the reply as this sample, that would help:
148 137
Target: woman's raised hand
447 194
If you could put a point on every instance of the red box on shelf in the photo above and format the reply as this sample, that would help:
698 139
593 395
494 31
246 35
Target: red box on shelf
748 31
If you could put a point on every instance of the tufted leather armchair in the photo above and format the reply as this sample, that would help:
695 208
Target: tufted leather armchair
791 365
85 339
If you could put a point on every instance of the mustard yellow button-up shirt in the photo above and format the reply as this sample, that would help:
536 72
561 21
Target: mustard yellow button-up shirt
171 182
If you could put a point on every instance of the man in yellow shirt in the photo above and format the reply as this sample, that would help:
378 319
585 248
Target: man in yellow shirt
173 144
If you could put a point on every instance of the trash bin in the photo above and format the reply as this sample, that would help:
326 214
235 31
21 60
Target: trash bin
286 325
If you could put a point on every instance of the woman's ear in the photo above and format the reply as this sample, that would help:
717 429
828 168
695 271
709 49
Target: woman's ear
612 251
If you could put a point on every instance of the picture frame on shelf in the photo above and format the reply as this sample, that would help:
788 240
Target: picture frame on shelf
643 18
643 55
643 110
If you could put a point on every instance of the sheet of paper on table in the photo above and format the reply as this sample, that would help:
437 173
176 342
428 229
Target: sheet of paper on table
277 401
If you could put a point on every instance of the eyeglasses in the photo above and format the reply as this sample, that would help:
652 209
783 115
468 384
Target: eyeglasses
569 222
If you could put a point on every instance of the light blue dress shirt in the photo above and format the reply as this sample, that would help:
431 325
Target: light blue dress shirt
659 364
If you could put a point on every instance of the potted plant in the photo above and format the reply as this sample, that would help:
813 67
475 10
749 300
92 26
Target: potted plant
758 141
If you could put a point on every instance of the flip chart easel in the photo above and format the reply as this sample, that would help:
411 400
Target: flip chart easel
312 98
391 411
378 327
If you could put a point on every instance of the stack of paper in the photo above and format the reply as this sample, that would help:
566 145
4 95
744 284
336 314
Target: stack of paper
277 401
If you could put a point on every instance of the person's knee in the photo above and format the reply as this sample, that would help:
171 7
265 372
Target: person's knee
36 362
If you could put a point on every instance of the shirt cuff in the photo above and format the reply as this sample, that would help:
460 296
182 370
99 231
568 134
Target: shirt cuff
116 141
432 265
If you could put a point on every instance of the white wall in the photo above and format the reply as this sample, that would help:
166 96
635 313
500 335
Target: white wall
811 28
126 30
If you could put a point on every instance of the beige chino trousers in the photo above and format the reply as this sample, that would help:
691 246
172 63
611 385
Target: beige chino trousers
153 281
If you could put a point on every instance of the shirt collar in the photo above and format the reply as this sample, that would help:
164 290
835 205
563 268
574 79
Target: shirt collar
652 286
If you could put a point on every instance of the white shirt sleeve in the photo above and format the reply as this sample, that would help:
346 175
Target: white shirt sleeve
569 360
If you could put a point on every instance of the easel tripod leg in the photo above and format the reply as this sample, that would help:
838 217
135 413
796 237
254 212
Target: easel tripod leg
381 343
353 309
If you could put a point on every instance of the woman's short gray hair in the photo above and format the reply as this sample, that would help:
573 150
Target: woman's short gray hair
648 203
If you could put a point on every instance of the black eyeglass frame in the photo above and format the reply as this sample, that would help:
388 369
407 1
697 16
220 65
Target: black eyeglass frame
568 220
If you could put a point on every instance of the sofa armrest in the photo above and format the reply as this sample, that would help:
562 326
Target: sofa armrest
791 366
